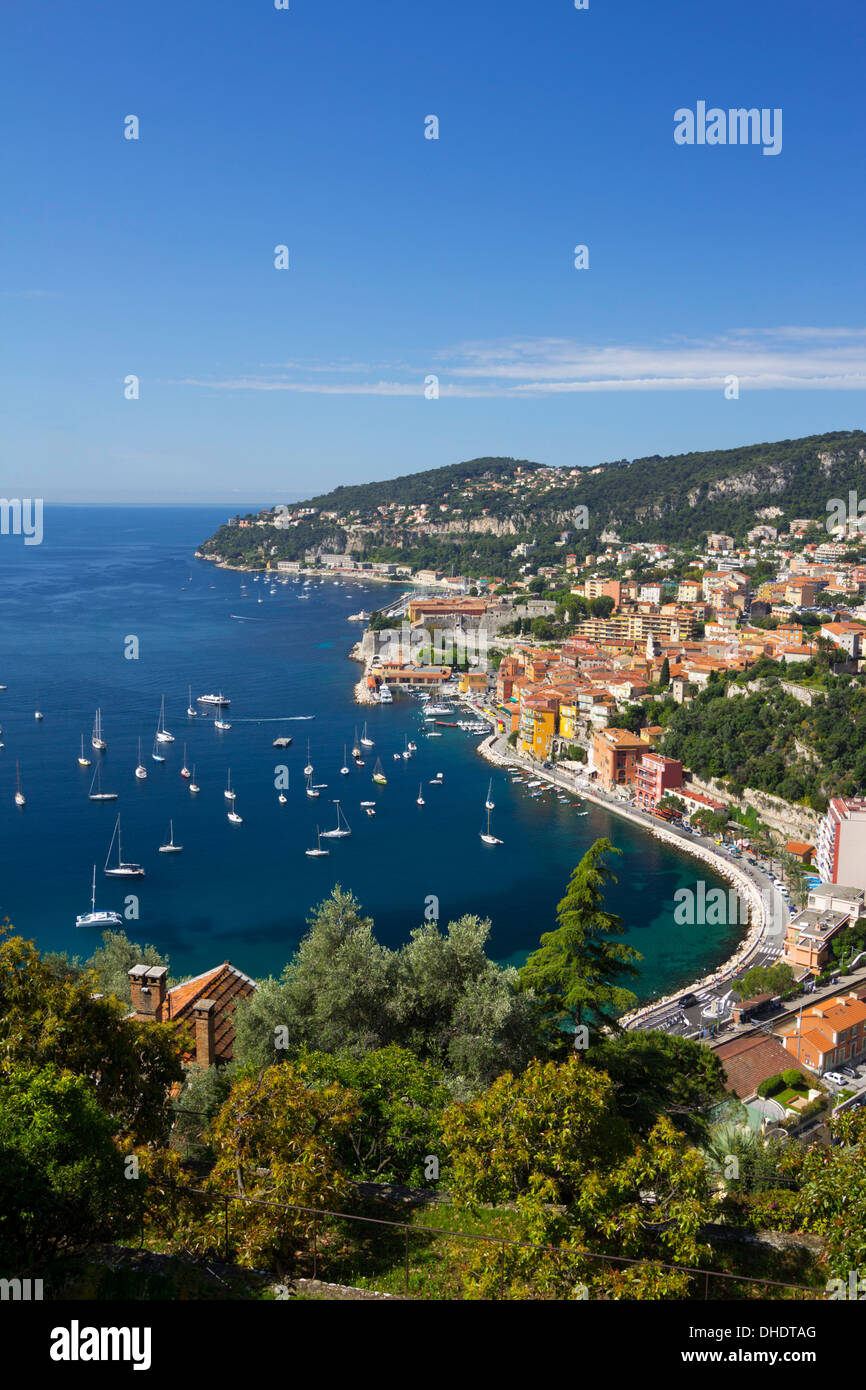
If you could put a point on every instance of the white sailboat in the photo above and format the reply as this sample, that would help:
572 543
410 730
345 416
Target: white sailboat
93 918
20 799
234 817
37 714
356 747
120 869
82 761
97 741
344 771
190 709
162 734
342 829
228 793
141 770
170 847
156 755
184 772
315 853
419 798
378 774
412 746
486 835
310 789
221 724
193 785
282 798
489 802
366 741
99 794
309 764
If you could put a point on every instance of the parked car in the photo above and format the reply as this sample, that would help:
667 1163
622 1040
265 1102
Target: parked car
834 1077
687 1001
849 1071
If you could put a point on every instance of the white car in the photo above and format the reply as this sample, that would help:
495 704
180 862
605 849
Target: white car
834 1076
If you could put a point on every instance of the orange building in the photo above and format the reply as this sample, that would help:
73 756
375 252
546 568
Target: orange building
615 753
828 1034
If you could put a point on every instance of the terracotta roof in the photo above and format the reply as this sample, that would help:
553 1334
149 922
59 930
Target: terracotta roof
225 984
749 1061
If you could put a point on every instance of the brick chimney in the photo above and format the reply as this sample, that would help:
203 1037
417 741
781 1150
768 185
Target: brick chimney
205 1048
147 987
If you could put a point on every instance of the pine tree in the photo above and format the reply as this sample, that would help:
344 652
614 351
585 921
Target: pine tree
577 968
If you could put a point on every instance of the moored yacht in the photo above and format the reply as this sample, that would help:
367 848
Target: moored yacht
93 918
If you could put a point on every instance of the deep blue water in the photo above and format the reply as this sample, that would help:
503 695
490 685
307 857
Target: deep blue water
243 893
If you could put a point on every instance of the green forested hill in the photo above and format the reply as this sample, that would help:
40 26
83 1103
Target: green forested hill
490 506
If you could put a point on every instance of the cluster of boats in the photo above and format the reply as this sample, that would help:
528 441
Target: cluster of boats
538 787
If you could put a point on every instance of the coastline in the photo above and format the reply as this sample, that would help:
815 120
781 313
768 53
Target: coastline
759 922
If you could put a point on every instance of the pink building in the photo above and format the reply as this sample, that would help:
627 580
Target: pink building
654 776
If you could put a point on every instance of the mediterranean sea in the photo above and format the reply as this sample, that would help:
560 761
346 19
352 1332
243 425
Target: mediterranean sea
105 575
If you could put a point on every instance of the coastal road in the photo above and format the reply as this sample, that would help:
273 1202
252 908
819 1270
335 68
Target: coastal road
766 950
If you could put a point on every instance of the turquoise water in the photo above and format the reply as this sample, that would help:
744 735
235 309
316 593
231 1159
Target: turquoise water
243 893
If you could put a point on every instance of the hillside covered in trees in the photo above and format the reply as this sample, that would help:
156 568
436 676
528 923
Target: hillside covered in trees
472 515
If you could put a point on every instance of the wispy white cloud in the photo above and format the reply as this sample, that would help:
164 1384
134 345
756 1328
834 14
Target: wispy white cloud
789 358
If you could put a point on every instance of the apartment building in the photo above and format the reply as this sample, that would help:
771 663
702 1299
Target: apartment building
655 775
615 754
830 908
841 849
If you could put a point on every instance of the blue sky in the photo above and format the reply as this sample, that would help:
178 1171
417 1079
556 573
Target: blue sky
412 257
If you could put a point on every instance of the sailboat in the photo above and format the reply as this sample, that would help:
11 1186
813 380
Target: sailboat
309 766
489 802
234 817
184 772
343 828
406 752
82 761
378 774
37 714
356 747
190 709
162 734
156 755
99 794
97 740
314 853
486 836
311 790
170 847
120 869
344 769
412 746
228 793
141 770
98 919
366 741
282 798
20 798
221 723
419 798
193 786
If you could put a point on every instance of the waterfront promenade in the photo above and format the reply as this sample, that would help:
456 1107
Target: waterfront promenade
768 911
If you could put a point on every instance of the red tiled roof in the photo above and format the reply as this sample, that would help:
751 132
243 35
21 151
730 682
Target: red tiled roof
749 1061
225 984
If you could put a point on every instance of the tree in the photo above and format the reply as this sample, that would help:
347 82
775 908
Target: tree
576 970
399 1120
277 1138
46 1020
440 996
665 674
655 1075
62 1177
551 1143
113 960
